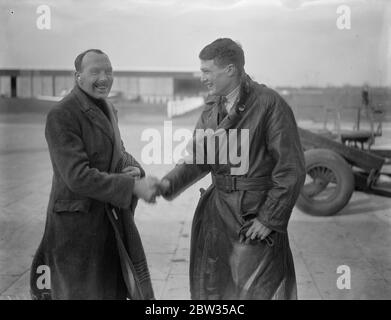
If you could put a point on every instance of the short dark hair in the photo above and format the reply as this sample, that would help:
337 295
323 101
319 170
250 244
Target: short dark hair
79 58
224 51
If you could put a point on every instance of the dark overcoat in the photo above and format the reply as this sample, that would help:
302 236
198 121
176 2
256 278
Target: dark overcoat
221 267
90 243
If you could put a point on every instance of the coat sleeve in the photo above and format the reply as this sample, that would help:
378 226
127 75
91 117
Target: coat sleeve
184 175
288 174
69 157
128 160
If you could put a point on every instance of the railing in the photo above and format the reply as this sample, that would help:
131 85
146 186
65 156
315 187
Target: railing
373 118
182 106
49 98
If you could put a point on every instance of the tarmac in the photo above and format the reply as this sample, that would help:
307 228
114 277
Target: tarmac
358 237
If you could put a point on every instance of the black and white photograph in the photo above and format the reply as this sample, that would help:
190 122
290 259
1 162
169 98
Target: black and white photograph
225 150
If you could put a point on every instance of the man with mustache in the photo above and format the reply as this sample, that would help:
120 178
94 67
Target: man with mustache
239 243
91 244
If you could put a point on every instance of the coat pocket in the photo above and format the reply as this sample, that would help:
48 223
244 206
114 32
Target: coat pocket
79 205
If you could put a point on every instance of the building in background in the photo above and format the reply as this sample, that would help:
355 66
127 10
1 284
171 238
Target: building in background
155 87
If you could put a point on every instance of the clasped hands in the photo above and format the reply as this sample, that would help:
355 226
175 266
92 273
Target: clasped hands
147 188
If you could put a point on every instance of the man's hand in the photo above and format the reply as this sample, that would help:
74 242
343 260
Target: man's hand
147 189
254 231
133 171
164 187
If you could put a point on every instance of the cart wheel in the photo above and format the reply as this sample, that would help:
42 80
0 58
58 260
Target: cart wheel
329 183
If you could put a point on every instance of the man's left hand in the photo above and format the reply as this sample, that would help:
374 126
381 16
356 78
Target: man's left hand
257 230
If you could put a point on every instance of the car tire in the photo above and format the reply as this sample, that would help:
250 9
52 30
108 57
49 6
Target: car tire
331 183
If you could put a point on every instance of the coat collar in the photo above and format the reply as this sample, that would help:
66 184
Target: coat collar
94 113
246 98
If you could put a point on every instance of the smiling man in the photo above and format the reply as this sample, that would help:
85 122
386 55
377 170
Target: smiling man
239 243
91 245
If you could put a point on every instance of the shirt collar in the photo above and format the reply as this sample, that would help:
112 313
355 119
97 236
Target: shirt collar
232 97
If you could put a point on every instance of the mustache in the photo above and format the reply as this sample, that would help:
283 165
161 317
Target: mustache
101 83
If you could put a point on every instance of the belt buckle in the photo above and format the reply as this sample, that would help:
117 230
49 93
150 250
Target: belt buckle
230 184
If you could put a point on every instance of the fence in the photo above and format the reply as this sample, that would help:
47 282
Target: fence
179 107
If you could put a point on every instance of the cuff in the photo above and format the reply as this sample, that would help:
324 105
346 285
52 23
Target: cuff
123 193
274 215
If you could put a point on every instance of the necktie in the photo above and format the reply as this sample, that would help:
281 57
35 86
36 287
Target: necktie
222 108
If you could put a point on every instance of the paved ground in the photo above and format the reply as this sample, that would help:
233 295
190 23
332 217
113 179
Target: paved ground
358 237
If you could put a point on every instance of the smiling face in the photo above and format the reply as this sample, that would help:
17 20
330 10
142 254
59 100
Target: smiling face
96 75
218 80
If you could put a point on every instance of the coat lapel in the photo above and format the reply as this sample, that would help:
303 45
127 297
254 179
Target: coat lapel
117 151
94 113
212 119
236 113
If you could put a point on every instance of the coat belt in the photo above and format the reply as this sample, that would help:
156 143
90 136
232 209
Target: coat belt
229 183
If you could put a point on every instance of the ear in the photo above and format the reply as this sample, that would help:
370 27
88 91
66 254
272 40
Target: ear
231 70
77 76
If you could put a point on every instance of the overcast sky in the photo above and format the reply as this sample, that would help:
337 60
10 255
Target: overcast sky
286 42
